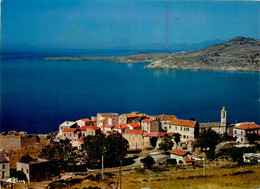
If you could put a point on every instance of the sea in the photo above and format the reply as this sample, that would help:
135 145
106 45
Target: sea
38 95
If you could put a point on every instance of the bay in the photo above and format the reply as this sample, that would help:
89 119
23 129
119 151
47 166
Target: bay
37 95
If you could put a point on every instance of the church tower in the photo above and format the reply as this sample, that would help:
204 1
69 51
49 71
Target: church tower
223 117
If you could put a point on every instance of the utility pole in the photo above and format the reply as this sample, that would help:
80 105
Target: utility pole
204 165
103 166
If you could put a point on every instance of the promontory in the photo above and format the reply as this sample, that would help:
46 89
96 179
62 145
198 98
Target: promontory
240 53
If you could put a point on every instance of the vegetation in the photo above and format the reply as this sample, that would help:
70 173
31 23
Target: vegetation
148 162
166 143
177 137
236 153
208 141
113 147
252 138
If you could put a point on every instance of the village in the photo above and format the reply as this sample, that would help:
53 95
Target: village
175 141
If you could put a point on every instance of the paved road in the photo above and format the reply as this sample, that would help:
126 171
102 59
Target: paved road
157 158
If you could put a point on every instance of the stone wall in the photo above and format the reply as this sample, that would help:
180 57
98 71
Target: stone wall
12 142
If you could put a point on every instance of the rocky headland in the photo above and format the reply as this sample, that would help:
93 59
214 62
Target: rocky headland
236 54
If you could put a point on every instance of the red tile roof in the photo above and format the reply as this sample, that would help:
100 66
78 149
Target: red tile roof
147 120
83 128
137 132
77 132
187 160
109 126
68 130
166 117
182 122
246 126
153 134
94 127
178 152
122 126
86 120
131 115
81 139
135 125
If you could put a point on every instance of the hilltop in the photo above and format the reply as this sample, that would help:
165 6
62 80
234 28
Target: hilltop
237 54
240 53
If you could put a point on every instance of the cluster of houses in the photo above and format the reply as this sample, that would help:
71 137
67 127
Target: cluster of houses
138 129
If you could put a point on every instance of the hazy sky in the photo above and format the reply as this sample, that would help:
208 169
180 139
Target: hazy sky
86 24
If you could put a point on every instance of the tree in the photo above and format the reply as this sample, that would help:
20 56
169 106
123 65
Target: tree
252 138
208 141
177 137
113 147
153 141
148 162
166 143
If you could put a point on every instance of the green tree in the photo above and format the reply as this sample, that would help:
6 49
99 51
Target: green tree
252 138
148 162
166 143
208 140
113 147
177 137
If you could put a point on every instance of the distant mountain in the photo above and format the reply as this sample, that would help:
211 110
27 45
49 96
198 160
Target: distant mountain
172 46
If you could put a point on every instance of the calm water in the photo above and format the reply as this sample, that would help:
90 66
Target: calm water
36 96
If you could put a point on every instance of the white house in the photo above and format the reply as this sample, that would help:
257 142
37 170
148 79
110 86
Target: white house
150 125
165 120
181 156
4 166
242 129
66 124
186 128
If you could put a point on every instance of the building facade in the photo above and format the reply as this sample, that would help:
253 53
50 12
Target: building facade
150 125
4 166
240 130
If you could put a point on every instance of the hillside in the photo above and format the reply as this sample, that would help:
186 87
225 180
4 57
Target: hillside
239 53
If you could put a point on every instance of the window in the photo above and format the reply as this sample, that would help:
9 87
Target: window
184 136
22 169
27 170
187 137
242 139
170 126
235 131
241 132
188 129
181 128
176 127
3 166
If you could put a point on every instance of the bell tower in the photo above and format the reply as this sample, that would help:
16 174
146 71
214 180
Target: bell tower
223 117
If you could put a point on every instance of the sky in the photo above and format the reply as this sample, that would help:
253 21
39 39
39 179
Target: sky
109 24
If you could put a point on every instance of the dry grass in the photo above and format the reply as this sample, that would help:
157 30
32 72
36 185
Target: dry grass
215 177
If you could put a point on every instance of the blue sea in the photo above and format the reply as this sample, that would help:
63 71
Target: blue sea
37 95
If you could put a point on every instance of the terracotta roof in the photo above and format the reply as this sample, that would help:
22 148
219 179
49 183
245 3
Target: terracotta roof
153 134
81 139
68 130
147 120
84 128
135 125
77 132
122 126
134 115
109 126
93 127
132 131
187 160
178 152
166 117
86 120
247 126
182 122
